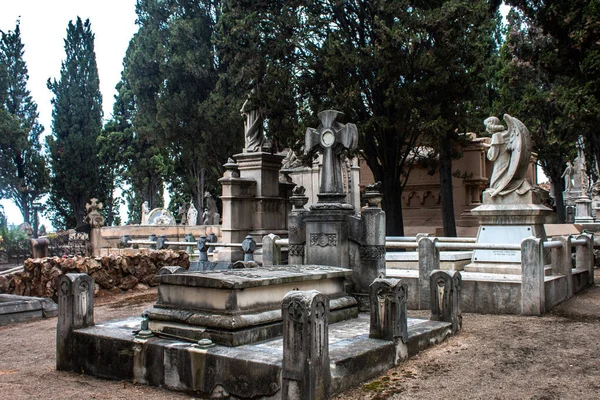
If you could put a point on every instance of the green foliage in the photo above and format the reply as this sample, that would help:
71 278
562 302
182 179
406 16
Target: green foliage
23 175
77 121
407 73
14 242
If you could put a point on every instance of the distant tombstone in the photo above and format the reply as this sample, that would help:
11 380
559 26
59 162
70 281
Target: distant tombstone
192 215
160 216
94 218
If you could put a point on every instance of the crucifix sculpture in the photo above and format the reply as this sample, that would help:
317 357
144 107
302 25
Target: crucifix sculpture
331 138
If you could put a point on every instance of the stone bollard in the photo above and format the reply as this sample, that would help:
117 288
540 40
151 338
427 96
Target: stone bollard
125 240
161 242
271 250
306 372
388 310
584 256
189 238
75 311
561 261
445 297
202 248
152 238
429 260
533 293
248 246
212 238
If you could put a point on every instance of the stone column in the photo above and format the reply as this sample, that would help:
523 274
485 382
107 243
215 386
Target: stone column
533 294
372 249
584 256
445 297
429 260
306 372
388 310
561 261
271 251
238 195
75 311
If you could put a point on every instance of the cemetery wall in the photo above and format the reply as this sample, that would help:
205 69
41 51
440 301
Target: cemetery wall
113 272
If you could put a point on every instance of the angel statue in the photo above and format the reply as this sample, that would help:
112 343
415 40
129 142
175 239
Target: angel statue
145 213
510 149
253 127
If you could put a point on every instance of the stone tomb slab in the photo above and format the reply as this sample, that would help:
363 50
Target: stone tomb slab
110 350
236 307
15 308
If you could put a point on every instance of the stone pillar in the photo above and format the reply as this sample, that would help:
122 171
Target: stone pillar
39 248
238 196
429 260
75 311
445 297
306 372
584 256
372 249
561 261
271 251
388 310
297 227
533 293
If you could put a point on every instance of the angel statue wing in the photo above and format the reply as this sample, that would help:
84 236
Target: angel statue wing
519 146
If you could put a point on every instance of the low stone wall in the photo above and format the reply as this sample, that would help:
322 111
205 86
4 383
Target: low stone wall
122 272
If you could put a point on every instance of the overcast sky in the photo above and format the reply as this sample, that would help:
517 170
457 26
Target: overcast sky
43 30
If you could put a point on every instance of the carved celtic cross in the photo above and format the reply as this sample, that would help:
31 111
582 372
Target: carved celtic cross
331 138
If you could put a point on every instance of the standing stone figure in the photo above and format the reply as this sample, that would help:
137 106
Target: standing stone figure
211 214
145 213
580 177
253 127
510 150
192 215
183 211
568 175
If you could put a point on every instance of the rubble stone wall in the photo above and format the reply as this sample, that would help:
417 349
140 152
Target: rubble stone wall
113 272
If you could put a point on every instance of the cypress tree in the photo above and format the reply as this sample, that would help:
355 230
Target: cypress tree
23 173
77 121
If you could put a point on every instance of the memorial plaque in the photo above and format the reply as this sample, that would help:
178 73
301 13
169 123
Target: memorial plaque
510 234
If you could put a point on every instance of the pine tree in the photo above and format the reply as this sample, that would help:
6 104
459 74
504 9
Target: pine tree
77 121
23 173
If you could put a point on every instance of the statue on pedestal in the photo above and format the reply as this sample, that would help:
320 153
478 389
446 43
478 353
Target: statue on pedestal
253 127
94 218
510 149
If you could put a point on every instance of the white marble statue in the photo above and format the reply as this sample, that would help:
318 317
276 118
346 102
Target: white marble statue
568 175
253 127
192 215
510 149
145 213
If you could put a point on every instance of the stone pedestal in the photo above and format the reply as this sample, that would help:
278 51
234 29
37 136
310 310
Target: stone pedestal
327 241
251 200
583 210
508 219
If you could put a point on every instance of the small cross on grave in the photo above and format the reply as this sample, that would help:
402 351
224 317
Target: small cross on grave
295 311
320 310
331 138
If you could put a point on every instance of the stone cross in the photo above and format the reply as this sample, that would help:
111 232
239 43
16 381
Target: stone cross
331 138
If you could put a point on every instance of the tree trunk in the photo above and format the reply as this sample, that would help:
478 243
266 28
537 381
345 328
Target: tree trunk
446 193
392 205
559 202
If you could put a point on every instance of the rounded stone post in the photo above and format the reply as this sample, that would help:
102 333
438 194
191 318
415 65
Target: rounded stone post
533 293
202 248
75 311
388 310
561 261
125 240
306 372
271 251
297 237
445 297
584 256
152 238
372 249
161 242
429 260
